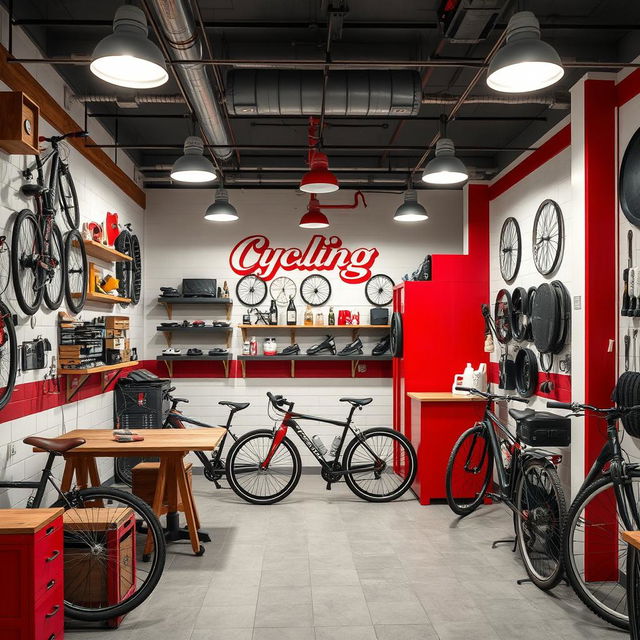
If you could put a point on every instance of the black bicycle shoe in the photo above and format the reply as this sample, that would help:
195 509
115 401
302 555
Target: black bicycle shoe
291 350
194 352
382 347
169 292
218 351
352 349
328 344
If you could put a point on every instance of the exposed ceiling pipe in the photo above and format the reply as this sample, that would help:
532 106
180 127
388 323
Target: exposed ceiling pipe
553 101
179 30
137 99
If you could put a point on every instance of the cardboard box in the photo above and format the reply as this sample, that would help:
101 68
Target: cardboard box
117 322
117 344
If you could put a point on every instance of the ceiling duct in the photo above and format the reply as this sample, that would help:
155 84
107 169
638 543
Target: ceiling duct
358 93
179 30
469 21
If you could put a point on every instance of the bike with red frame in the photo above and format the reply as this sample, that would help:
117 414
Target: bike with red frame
264 465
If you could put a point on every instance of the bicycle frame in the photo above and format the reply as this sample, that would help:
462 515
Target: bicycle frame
40 485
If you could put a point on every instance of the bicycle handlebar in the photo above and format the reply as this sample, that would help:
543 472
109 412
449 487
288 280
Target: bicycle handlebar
575 407
72 134
492 396
279 402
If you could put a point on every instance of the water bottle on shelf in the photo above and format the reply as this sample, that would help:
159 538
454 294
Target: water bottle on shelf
319 444
334 446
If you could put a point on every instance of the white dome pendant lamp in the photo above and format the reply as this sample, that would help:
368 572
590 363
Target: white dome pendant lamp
410 210
525 63
445 168
221 210
127 58
193 166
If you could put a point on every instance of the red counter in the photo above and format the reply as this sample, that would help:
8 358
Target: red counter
437 421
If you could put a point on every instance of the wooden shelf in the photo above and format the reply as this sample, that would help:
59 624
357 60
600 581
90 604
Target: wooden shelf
103 298
168 302
169 331
327 328
102 252
169 360
75 384
354 360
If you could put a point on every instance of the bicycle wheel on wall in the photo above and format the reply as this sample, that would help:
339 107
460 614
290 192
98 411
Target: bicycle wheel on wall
53 276
26 248
68 197
76 272
5 264
124 270
8 355
136 276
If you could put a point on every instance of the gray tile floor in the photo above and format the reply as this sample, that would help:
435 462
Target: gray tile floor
326 566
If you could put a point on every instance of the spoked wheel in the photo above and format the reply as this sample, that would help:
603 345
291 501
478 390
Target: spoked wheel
68 197
26 248
76 272
593 550
379 290
257 485
54 271
5 264
8 355
92 555
469 471
251 290
387 461
541 513
136 275
315 290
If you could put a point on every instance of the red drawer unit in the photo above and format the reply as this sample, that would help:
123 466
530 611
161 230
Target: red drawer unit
31 589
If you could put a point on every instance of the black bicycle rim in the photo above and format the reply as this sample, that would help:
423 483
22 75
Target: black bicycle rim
54 276
251 290
315 290
76 273
136 281
8 355
68 197
26 247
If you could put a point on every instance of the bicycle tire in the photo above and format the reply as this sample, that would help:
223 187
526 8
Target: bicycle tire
393 463
76 274
55 300
550 517
136 280
5 265
10 341
123 467
143 512
68 199
23 261
124 270
232 470
618 619
485 455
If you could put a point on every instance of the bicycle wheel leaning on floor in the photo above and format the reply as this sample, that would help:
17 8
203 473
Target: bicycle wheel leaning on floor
542 509
91 517
593 527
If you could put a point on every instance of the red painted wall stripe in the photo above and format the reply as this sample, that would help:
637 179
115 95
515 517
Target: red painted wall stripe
628 88
552 147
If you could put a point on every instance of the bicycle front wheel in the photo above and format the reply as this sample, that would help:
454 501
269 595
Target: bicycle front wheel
469 471
593 549
68 197
76 273
53 274
541 513
387 461
255 484
114 553
26 249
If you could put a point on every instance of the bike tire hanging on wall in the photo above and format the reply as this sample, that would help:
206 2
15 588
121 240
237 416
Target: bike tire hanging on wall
124 270
526 373
548 238
502 316
379 290
396 335
136 279
510 250
251 290
315 290
629 182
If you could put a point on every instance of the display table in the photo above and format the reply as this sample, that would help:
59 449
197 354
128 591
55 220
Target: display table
170 446
438 418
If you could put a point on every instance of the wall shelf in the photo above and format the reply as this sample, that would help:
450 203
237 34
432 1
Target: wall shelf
169 331
76 378
327 328
169 360
169 303
355 360
102 252
104 298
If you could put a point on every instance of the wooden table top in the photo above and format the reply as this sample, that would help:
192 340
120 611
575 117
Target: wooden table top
442 396
632 537
100 442
16 521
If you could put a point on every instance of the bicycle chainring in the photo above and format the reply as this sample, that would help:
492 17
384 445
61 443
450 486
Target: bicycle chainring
334 475
216 473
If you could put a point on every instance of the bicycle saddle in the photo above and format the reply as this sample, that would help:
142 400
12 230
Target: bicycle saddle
521 414
357 402
54 445
236 406
32 189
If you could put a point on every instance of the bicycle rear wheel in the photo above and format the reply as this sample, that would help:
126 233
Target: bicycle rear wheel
541 513
68 197
394 461
53 275
593 549
8 355
26 249
469 471
257 485
76 272
109 535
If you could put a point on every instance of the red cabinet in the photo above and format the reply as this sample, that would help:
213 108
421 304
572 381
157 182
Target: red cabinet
31 589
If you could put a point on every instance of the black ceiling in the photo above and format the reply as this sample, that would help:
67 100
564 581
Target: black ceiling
487 136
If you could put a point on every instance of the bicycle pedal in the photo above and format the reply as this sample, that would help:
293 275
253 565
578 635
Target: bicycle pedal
328 486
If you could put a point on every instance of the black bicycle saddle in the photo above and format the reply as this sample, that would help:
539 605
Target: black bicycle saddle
352 349
291 350
521 414
357 402
32 189
328 344
236 406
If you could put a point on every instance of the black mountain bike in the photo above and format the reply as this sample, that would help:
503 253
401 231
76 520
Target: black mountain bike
606 504
526 481
89 559
264 466
44 264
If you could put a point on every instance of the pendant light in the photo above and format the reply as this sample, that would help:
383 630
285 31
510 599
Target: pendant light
314 218
319 179
193 166
127 58
410 210
525 63
221 210
445 168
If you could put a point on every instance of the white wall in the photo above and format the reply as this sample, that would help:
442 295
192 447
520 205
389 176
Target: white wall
96 195
181 244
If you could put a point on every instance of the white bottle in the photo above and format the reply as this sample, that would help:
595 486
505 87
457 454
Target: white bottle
319 444
467 376
334 445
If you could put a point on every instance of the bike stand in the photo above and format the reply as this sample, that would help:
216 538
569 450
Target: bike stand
512 541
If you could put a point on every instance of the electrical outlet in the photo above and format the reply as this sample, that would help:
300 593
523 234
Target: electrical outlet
362 368
11 450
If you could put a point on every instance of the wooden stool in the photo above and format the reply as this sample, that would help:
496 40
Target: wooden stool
145 480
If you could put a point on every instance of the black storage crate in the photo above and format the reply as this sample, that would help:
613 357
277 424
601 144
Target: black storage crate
545 429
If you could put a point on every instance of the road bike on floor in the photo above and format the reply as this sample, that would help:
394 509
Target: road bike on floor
44 264
90 558
264 466
214 466
526 481
606 504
